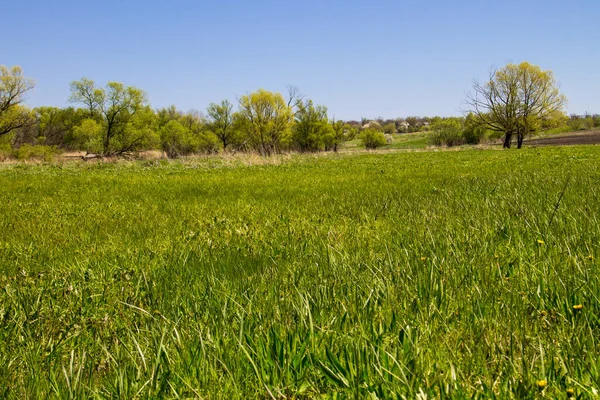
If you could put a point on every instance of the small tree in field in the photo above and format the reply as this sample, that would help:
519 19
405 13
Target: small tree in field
336 135
372 139
516 100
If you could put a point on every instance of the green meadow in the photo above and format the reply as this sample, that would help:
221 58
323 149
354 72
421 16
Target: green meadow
437 274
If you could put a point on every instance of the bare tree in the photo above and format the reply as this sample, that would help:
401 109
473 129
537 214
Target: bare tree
294 97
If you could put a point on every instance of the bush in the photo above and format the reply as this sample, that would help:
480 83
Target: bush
474 130
87 136
389 129
372 139
176 140
28 152
448 132
207 143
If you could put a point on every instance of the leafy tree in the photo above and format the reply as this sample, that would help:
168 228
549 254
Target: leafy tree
372 139
336 135
516 100
221 122
114 107
267 120
167 114
311 127
13 86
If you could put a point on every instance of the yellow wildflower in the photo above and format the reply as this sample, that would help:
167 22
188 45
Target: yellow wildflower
570 393
577 307
542 384
541 242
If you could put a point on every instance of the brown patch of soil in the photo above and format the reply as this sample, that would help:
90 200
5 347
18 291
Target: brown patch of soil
567 139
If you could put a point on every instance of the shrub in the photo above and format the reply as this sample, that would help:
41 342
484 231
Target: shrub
372 139
389 129
28 152
474 130
207 143
448 132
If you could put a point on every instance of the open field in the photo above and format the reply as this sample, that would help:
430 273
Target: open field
400 275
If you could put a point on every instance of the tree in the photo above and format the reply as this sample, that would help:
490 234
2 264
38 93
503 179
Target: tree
13 86
114 107
294 97
221 122
266 119
311 127
337 135
516 100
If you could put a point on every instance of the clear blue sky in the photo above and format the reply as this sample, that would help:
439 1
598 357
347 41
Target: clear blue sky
359 58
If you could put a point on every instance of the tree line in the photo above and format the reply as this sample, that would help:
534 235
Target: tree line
116 120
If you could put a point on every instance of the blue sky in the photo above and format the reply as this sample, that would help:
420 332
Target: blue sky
359 58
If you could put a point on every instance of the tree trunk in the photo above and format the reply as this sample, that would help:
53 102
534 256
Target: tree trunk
520 141
507 140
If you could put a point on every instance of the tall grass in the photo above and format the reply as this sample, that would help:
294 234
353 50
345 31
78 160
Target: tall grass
413 275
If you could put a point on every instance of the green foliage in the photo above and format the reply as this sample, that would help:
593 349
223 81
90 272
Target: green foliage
586 122
447 132
177 141
38 152
406 275
311 131
389 129
372 139
208 142
222 123
266 119
336 134
114 107
56 125
13 86
87 136
474 130
518 100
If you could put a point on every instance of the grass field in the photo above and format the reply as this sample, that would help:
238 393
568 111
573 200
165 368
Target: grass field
404 275
404 141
